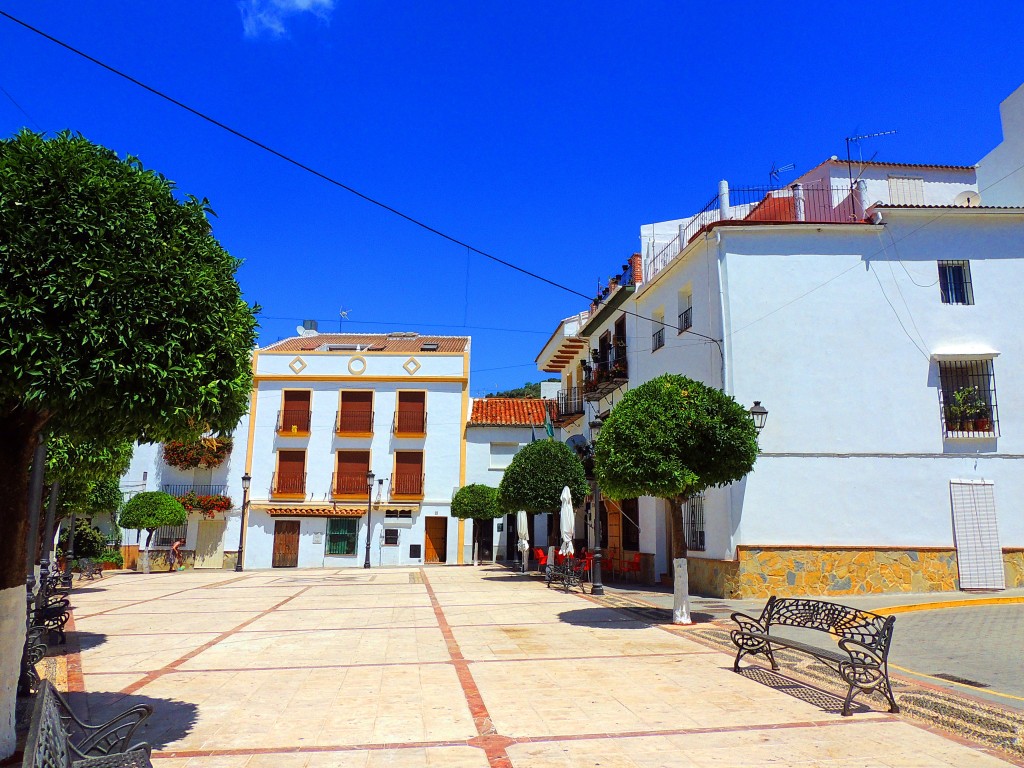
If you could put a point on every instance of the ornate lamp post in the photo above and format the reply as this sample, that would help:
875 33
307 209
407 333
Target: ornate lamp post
246 482
369 508
759 414
596 587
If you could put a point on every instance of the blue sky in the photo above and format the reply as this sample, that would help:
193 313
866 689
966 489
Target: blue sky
543 133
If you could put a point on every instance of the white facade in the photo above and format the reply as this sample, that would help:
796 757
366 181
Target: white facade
1000 179
390 367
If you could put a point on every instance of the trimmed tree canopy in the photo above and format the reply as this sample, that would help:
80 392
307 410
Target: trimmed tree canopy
536 476
150 510
672 437
477 502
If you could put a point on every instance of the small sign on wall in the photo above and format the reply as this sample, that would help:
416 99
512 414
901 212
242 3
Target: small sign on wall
318 538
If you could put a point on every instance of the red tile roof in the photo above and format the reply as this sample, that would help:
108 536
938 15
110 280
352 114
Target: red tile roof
882 164
511 411
399 343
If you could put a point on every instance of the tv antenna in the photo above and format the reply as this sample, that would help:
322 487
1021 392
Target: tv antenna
342 317
776 171
849 161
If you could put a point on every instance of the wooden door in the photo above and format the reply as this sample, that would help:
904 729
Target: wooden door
436 545
485 540
286 544
210 544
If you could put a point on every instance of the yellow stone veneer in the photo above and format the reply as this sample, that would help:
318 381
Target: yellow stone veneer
795 571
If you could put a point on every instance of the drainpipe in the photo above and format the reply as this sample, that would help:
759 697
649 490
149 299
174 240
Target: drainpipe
723 201
798 202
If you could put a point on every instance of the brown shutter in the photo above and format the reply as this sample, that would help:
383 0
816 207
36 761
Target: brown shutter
291 463
409 463
357 401
354 463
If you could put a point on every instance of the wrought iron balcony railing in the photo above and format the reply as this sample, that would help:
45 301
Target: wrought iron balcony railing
410 423
570 404
288 485
686 319
291 421
180 489
349 485
353 422
403 484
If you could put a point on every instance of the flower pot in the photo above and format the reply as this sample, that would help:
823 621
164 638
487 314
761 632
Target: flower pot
982 424
967 425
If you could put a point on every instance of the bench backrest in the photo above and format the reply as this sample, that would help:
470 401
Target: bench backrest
871 629
47 743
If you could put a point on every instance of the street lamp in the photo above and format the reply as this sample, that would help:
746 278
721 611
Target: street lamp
596 587
246 482
369 508
759 414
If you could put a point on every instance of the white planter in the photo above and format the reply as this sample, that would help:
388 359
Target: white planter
680 593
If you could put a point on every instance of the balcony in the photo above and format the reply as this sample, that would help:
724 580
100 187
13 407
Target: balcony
570 405
406 485
604 376
410 424
181 489
685 320
354 423
289 486
294 422
349 485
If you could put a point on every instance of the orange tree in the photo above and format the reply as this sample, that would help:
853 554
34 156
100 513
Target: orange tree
120 318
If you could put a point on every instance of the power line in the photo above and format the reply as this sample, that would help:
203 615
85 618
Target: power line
394 323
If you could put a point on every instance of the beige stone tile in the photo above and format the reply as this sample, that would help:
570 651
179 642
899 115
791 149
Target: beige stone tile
164 622
128 653
342 618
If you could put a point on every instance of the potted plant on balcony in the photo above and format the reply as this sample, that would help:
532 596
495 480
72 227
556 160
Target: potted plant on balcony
972 408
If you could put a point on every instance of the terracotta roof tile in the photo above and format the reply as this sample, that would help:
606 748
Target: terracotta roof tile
372 342
511 411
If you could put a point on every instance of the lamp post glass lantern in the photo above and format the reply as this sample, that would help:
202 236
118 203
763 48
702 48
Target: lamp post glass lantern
759 414
369 507
246 482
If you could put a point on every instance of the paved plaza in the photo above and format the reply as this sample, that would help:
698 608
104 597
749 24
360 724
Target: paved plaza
448 666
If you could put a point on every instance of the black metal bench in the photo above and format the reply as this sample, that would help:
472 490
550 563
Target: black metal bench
53 616
569 573
862 656
88 569
57 738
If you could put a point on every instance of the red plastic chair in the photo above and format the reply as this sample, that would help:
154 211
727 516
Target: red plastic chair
610 560
632 566
541 557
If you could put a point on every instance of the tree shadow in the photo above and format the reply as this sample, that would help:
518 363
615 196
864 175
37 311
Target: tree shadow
171 720
77 590
601 618
78 641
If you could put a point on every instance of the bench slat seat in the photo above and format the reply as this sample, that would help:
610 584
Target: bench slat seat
863 639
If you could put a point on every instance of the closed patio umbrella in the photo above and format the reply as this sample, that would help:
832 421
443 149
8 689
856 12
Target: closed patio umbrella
523 532
567 523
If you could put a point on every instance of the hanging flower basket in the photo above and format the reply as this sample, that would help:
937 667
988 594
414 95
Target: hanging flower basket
207 453
208 506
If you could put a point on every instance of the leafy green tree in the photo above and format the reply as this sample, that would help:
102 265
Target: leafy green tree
536 476
478 503
529 389
120 319
673 437
151 510
89 541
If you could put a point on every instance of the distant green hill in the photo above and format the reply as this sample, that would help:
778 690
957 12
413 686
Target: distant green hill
527 390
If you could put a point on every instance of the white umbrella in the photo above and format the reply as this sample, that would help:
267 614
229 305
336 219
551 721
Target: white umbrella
567 523
523 532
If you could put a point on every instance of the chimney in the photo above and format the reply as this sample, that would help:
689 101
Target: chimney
309 325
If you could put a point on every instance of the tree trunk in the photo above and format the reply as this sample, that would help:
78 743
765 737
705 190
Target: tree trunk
145 552
19 431
680 576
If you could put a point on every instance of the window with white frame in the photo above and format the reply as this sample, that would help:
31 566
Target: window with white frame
693 522
967 394
955 282
502 453
906 190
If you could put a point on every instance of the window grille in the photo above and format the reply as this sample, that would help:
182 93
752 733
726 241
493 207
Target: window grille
962 376
165 535
686 319
693 519
658 339
955 282
398 514
390 537
342 533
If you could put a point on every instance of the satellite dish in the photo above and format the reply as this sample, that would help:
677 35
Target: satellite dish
578 443
968 199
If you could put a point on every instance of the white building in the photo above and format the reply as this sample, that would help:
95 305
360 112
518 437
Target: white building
854 312
329 408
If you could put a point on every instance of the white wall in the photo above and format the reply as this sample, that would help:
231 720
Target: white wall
999 177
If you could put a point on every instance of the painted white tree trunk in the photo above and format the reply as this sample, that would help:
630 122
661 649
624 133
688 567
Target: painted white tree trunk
476 551
681 593
12 641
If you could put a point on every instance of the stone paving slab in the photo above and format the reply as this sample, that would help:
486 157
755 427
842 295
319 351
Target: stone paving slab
461 667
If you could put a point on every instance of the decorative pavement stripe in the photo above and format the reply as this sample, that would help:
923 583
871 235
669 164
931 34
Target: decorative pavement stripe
150 677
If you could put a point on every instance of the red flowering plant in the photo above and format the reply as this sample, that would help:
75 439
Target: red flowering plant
208 505
206 453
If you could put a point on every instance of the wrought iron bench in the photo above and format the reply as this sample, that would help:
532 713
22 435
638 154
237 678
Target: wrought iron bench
32 653
862 656
54 616
58 739
569 573
88 569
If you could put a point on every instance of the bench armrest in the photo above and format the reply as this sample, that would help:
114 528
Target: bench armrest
109 738
749 623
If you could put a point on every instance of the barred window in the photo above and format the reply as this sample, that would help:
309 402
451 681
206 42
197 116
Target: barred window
398 514
390 537
967 395
693 521
342 533
165 535
955 282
